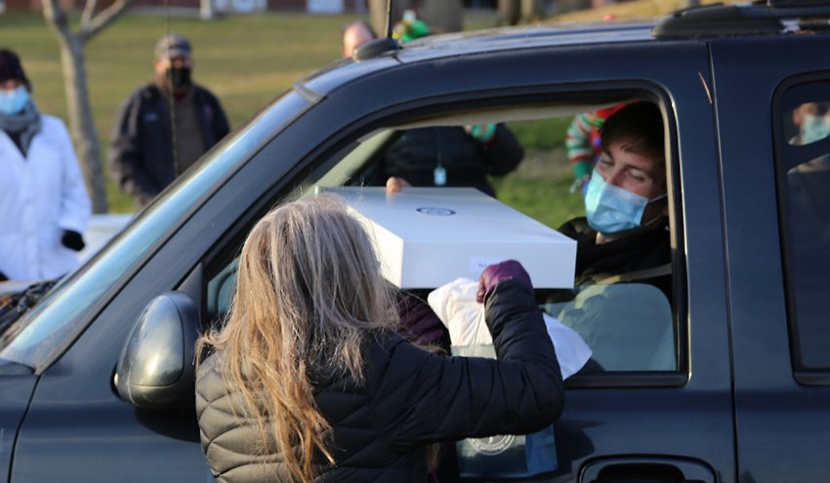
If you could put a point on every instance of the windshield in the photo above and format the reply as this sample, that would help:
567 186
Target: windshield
53 324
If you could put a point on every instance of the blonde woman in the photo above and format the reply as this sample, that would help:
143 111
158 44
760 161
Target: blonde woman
309 381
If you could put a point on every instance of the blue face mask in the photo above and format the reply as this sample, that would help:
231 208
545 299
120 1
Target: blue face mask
611 209
13 101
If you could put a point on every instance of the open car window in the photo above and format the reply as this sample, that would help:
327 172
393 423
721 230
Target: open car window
630 323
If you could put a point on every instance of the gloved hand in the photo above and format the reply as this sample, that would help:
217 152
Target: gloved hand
73 240
500 272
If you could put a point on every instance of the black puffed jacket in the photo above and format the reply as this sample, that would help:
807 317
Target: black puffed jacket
409 398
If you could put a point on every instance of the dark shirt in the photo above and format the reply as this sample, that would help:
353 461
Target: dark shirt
467 162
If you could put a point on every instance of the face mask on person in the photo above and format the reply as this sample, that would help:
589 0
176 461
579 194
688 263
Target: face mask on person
814 128
179 76
13 101
611 209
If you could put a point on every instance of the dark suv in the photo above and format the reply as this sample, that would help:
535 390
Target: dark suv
727 379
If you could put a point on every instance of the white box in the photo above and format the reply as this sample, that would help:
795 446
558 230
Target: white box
426 237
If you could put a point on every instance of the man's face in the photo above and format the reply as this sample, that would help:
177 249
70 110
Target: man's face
631 171
355 36
10 84
813 121
161 65
635 173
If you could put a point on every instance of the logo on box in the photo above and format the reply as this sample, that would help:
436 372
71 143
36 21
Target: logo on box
429 210
492 445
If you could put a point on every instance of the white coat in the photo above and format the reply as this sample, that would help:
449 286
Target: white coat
40 196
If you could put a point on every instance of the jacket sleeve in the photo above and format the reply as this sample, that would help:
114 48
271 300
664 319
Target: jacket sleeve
75 207
126 158
451 398
504 154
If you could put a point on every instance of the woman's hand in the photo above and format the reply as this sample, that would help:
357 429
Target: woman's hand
500 272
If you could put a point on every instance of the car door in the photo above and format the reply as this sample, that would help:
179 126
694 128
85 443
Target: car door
776 246
664 425
619 425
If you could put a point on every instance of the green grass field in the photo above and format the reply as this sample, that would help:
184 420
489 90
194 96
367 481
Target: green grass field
247 61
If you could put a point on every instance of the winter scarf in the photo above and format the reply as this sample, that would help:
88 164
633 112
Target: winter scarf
22 127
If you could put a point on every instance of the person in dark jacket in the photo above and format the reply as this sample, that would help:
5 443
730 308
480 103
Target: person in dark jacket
309 380
164 126
448 156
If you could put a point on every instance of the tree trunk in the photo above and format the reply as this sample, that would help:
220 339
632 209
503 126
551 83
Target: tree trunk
509 12
442 15
533 10
81 121
207 11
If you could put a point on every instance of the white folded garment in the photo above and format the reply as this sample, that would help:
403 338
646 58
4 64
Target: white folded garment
456 306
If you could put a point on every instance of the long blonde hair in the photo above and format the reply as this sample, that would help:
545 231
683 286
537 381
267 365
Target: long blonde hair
309 292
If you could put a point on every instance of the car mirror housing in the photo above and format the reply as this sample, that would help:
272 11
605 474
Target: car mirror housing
156 369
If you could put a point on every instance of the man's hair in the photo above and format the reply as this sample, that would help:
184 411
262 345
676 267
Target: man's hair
639 128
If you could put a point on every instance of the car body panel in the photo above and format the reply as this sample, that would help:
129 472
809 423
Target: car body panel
14 400
783 428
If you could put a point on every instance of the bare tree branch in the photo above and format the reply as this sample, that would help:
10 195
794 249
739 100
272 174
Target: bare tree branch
56 18
100 21
89 11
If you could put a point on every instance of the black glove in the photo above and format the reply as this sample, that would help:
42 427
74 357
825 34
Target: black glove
73 240
3 277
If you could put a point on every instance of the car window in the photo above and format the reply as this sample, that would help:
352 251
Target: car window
803 166
628 321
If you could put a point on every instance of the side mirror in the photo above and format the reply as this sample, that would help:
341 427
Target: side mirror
156 368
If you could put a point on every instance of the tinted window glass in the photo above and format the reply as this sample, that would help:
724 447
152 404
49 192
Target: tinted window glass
804 189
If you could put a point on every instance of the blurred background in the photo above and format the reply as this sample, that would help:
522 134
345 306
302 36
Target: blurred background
249 51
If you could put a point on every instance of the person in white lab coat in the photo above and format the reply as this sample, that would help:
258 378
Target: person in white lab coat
44 206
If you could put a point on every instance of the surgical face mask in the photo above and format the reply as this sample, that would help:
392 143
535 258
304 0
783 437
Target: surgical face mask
814 128
13 101
611 209
179 76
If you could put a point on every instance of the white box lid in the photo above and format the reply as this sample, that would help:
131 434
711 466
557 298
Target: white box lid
426 237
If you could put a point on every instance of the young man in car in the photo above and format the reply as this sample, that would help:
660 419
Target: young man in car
625 234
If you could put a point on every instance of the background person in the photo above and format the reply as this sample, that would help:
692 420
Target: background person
164 126
312 380
444 155
44 206
356 34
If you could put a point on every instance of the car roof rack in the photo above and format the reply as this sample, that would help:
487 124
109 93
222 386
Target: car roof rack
720 20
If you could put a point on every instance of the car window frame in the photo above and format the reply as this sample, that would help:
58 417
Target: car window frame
335 148
781 149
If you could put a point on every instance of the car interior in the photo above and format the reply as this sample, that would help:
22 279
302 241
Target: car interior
630 326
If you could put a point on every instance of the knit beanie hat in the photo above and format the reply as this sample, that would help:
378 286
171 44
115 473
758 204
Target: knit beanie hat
10 67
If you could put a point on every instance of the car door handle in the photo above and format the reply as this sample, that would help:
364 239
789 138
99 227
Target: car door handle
646 470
